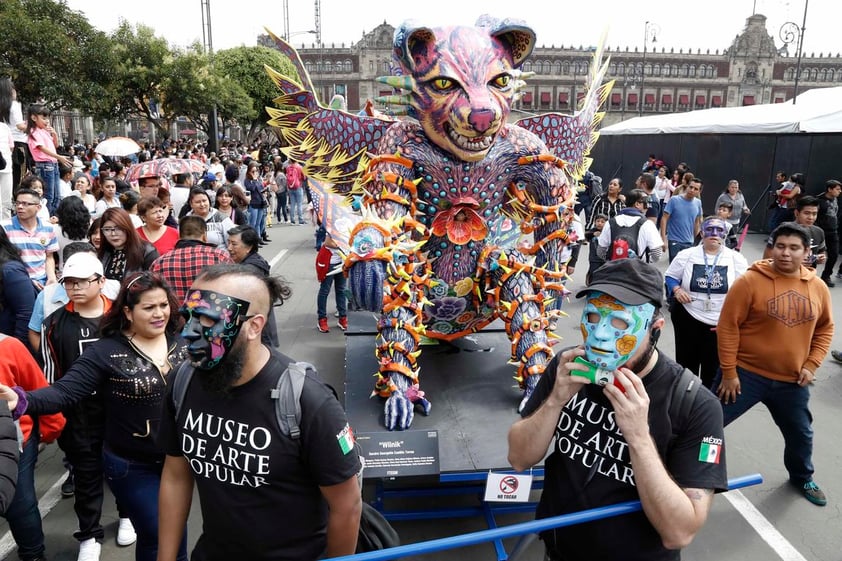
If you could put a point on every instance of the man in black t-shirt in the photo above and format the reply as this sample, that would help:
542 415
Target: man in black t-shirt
618 442
264 496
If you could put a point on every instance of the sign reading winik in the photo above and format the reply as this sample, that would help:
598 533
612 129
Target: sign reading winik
399 454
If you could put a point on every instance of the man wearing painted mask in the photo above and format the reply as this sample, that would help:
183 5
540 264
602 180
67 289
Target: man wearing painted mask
225 437
618 442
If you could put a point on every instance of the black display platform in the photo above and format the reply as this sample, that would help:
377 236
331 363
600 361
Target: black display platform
473 393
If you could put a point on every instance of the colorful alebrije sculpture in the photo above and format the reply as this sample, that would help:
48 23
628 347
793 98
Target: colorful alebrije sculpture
445 195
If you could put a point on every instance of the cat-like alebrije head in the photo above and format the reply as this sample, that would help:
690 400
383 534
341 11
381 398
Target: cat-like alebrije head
462 80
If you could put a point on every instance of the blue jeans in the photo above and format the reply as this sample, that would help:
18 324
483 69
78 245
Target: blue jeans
48 172
22 515
135 487
675 247
339 282
296 204
257 220
788 403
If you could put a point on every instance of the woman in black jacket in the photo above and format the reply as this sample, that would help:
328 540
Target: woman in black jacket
243 243
121 250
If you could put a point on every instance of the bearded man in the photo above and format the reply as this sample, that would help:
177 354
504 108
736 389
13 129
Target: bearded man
264 495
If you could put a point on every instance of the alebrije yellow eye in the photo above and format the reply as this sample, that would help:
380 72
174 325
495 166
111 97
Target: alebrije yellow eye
502 81
442 84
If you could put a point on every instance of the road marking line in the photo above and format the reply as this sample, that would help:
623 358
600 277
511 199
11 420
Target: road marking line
277 258
767 532
49 500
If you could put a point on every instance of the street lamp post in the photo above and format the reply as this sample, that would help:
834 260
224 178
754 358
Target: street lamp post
650 34
790 33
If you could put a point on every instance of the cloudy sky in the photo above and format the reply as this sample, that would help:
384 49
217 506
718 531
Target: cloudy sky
685 24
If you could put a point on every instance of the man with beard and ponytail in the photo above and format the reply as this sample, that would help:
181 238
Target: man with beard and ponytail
605 408
264 495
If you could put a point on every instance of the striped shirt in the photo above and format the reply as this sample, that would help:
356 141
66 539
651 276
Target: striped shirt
33 245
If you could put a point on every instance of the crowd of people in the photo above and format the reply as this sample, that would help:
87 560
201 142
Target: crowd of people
112 289
96 272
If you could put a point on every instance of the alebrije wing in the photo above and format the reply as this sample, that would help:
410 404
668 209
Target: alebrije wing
334 213
331 145
572 137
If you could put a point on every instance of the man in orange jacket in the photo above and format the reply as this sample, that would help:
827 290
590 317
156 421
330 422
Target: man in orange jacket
773 333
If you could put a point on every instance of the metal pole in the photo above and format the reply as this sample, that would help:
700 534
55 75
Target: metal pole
800 46
213 128
643 70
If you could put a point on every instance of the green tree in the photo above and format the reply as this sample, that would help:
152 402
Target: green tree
194 86
52 52
144 63
245 66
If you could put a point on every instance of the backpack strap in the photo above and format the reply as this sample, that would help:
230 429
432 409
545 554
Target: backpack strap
287 396
683 396
179 386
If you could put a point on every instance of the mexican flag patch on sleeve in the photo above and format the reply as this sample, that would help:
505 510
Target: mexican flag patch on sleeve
710 450
346 439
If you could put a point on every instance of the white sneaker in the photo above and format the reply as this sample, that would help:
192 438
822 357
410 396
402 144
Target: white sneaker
125 533
89 550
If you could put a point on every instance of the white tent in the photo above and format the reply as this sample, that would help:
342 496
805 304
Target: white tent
816 110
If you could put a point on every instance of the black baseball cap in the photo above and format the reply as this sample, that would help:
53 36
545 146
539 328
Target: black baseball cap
631 281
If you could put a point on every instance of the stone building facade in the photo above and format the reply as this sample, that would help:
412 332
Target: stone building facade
752 70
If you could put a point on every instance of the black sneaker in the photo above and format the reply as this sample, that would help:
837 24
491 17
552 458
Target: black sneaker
813 494
68 489
829 282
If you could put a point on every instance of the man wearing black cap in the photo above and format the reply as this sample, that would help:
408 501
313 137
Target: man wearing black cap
619 441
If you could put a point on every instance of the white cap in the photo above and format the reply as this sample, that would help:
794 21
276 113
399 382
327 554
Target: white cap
81 266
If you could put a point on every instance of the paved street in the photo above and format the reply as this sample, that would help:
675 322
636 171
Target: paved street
769 521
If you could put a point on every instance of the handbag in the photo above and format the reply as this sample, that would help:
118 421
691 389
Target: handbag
375 531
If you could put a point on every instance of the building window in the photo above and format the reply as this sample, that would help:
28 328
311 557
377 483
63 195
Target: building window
612 69
348 67
675 70
666 70
789 74
527 67
685 70
823 75
621 69
371 66
386 68
691 71
565 68
656 70
814 75
328 67
309 67
556 68
318 67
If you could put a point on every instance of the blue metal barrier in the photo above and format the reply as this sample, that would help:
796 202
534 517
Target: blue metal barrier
534 526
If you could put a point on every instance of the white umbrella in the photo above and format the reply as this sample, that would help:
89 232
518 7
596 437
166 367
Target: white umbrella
117 146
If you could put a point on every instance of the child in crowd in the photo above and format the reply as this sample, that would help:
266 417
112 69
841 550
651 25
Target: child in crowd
327 261
65 179
591 235
724 212
35 183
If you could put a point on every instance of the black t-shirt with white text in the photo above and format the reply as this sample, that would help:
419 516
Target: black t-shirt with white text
259 490
589 465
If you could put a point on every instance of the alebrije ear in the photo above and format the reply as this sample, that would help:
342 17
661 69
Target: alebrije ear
414 47
517 36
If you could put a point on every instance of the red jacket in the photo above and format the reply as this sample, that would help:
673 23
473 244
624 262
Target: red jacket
18 368
323 263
